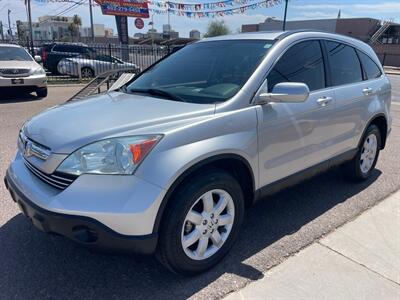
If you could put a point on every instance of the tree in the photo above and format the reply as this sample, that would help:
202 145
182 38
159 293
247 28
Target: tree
216 28
73 27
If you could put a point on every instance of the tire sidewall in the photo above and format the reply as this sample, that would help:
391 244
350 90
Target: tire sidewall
185 198
371 130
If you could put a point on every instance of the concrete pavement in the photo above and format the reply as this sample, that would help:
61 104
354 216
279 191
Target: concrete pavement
360 260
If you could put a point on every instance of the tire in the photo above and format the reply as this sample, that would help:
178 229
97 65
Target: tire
175 227
42 93
363 164
87 72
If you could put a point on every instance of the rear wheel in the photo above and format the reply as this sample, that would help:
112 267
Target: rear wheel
362 165
202 223
87 73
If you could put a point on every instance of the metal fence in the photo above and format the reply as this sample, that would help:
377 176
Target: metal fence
77 62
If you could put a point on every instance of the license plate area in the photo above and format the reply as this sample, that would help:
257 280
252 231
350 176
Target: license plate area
17 81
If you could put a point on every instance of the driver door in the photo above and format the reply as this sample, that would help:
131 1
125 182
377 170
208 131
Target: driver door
293 136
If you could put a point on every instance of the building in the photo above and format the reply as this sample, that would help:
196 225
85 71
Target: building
194 34
99 31
383 36
48 28
169 33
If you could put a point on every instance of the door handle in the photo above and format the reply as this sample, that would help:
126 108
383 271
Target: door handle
324 101
367 91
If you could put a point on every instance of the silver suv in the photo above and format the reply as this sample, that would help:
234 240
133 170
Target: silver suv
170 162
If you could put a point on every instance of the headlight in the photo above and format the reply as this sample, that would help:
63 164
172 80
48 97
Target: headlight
112 156
38 71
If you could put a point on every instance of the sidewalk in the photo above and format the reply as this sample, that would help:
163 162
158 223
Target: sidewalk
360 260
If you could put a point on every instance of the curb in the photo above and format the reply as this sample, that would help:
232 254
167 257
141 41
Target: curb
66 85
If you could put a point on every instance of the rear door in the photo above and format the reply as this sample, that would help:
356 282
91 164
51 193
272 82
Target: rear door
352 94
291 135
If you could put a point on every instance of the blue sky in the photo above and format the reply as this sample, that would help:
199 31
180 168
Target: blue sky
298 9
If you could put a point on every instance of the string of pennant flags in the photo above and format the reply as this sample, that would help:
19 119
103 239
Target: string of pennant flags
206 6
190 10
217 13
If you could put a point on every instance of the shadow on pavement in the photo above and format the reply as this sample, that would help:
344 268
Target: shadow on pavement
14 97
38 266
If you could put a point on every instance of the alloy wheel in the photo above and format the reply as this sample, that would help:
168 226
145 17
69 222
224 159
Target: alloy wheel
208 224
368 153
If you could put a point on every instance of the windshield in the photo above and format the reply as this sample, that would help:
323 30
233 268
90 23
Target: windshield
14 53
205 72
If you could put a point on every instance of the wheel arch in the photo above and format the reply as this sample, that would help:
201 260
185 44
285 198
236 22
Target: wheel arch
234 164
381 122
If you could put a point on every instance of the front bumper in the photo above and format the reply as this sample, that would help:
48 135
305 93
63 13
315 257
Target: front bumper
116 212
34 81
83 230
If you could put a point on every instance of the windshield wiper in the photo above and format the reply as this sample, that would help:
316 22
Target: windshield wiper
158 92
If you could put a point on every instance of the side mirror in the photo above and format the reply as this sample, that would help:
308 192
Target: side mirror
286 92
38 59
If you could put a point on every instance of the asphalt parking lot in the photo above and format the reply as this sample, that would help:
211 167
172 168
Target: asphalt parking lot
38 266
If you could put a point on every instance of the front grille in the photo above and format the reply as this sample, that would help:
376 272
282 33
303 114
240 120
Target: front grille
58 180
14 72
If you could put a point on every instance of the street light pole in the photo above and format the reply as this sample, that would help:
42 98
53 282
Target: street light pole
91 20
284 18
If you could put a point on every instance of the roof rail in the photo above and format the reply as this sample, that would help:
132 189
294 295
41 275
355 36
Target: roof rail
290 32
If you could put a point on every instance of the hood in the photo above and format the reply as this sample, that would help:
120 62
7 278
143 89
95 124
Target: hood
15 64
67 127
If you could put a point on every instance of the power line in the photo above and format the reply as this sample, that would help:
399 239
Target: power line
67 10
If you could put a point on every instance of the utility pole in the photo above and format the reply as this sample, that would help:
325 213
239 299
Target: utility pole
9 25
30 28
152 31
91 20
284 18
169 21
1 31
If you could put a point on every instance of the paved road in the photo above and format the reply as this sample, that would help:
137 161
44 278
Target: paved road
395 80
36 266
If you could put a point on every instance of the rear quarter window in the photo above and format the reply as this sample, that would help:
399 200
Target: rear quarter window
371 69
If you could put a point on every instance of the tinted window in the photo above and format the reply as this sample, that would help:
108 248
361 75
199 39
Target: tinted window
301 63
344 63
105 58
204 72
62 48
370 68
69 49
78 49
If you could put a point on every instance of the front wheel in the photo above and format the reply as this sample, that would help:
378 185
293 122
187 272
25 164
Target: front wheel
363 164
202 223
42 93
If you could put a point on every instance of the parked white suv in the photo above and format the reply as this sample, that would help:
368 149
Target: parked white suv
170 162
19 72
